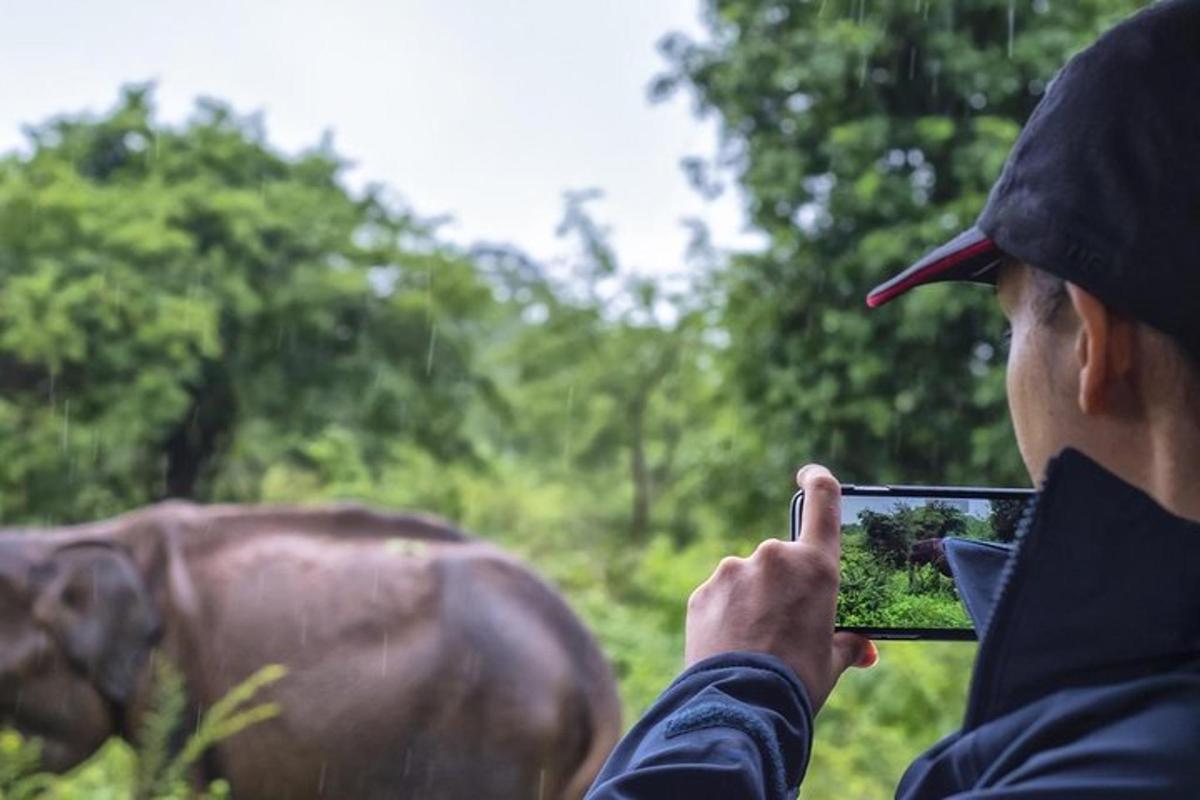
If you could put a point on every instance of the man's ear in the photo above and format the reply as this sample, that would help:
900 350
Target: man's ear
96 605
1103 350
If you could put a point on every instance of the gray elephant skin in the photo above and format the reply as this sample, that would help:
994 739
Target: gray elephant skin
422 663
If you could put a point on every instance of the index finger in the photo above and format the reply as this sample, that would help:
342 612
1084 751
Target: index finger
821 518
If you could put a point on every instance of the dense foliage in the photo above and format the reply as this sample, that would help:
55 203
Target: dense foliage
187 311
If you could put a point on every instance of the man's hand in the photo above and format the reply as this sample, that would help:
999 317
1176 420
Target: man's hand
781 600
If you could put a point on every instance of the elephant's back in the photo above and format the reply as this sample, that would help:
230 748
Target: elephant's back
292 596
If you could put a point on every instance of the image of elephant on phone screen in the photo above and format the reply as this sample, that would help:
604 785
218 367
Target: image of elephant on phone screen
931 552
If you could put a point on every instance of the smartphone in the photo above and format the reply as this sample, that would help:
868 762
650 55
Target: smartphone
896 581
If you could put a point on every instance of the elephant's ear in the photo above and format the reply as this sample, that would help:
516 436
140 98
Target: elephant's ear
95 603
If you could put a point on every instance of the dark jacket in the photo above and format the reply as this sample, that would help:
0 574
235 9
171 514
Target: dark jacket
1086 683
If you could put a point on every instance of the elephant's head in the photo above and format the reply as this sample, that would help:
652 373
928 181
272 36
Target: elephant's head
76 625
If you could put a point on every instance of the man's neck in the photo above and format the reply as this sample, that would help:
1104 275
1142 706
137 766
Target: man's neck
1162 460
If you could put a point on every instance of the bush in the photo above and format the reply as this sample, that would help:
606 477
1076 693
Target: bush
865 589
924 611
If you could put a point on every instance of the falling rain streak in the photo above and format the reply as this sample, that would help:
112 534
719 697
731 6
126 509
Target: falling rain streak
1012 25
432 345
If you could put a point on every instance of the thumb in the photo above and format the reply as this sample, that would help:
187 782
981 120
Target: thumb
852 650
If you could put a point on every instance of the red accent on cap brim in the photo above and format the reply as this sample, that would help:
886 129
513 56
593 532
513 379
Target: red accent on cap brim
929 272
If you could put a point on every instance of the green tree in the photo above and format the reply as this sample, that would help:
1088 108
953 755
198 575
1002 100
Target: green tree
185 309
936 519
862 134
1005 517
613 374
889 535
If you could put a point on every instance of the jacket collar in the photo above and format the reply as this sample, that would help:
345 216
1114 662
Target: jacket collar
1102 585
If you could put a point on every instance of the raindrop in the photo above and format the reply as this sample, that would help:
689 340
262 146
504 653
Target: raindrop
978 101
66 424
1012 25
566 456
383 668
432 344
912 62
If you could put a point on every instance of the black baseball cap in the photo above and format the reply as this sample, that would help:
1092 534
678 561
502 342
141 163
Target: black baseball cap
1102 187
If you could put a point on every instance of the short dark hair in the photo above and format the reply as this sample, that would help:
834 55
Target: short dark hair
1050 297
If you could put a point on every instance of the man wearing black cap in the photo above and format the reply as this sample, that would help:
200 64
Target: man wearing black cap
1087 680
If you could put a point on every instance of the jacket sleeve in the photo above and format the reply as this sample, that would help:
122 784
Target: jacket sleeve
734 725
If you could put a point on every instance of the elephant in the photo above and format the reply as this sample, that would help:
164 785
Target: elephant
421 662
930 551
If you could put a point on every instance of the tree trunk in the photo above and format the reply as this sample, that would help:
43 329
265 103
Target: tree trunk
192 447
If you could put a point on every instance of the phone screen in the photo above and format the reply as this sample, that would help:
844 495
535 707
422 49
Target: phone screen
895 579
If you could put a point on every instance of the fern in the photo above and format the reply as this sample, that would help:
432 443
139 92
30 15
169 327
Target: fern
227 717
158 726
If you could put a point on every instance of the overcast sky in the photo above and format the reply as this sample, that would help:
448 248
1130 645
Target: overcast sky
485 110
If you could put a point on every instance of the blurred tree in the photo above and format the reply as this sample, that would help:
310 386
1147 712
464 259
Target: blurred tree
863 134
182 308
615 374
